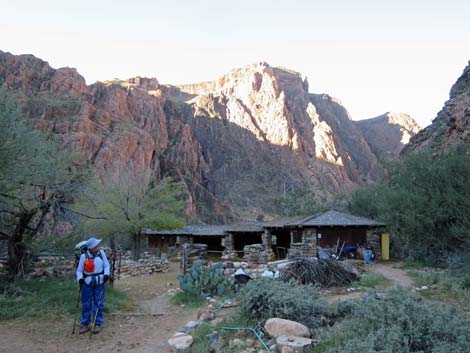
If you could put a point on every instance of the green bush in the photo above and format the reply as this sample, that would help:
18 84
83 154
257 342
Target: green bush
205 281
265 298
459 262
425 202
300 203
396 321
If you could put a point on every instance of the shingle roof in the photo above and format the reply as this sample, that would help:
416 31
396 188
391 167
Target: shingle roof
281 222
336 218
329 218
193 229
245 227
210 230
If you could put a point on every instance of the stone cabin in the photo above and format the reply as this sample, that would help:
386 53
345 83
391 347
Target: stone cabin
327 229
292 237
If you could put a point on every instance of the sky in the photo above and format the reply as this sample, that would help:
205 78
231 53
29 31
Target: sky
374 56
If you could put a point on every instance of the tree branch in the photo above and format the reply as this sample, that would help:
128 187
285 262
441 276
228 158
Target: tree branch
85 215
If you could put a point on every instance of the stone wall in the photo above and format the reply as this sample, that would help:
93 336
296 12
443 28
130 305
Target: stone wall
373 239
190 253
65 266
229 247
255 253
147 264
306 248
53 266
267 241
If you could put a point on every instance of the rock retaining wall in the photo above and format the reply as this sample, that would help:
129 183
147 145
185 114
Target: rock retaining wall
64 266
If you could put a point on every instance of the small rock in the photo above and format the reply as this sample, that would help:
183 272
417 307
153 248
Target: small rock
231 304
180 341
287 349
215 341
192 324
294 342
205 314
250 342
237 343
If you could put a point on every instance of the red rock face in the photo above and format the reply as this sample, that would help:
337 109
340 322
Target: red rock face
451 127
387 134
235 143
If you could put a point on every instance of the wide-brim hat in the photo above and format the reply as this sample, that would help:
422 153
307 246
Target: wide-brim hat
92 242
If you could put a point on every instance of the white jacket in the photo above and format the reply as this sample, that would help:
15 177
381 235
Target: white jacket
101 268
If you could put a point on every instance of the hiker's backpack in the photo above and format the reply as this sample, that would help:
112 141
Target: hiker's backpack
80 249
89 265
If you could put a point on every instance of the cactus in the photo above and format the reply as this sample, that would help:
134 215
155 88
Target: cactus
205 280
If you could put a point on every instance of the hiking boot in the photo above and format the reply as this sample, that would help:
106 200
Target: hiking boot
97 329
83 329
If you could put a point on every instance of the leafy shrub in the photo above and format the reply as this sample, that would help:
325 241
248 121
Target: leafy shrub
425 201
300 203
396 321
264 298
204 280
459 262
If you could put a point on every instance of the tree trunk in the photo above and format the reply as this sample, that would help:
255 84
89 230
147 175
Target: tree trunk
16 255
136 240
16 248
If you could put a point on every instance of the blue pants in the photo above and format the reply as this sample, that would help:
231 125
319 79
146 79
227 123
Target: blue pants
91 300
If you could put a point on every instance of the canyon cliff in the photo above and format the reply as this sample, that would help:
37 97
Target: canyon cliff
236 144
451 127
387 134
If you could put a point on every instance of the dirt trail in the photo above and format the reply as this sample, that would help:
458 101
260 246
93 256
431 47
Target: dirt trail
389 270
146 330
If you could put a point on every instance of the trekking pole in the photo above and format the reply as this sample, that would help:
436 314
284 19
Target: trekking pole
96 312
76 313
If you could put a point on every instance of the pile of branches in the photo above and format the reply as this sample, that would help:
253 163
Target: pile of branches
325 273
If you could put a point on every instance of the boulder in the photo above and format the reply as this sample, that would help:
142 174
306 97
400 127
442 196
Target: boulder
180 342
277 327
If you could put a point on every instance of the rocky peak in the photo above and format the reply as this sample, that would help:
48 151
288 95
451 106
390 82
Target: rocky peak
388 133
451 127
150 84
463 83
275 106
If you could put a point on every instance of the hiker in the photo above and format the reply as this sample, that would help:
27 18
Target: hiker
92 274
